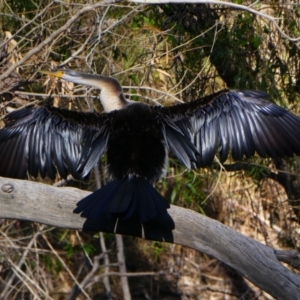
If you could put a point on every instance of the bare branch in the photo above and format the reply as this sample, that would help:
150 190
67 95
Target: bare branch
107 267
224 3
16 267
290 257
88 278
48 40
122 267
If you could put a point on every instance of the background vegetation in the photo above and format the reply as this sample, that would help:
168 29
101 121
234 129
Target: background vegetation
163 54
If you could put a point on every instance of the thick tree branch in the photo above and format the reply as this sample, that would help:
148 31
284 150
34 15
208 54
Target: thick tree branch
42 203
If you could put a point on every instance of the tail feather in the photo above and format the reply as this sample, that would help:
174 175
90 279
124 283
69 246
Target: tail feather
154 203
124 199
95 202
131 211
98 206
147 208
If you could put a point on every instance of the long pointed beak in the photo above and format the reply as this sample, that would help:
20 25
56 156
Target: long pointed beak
58 73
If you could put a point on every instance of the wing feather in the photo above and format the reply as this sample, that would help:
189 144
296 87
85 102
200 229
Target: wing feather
225 138
46 140
179 143
236 122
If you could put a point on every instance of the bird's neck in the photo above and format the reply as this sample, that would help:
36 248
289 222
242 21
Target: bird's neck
111 99
111 92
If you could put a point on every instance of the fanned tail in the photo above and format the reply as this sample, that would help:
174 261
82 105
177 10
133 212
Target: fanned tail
124 199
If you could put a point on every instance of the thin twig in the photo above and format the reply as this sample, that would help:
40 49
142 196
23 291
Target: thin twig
19 264
48 40
88 278
65 266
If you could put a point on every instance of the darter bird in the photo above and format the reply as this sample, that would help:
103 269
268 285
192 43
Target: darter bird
137 139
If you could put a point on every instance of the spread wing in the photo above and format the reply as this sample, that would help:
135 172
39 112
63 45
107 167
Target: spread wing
44 140
236 122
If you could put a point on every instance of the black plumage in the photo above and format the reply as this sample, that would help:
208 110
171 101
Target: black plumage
137 138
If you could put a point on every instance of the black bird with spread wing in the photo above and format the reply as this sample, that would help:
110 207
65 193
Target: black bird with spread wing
137 138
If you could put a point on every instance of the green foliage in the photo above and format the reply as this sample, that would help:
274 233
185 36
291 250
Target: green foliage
52 264
257 172
71 250
48 263
158 249
22 8
186 189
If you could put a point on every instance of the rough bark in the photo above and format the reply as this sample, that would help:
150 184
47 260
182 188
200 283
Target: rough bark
258 263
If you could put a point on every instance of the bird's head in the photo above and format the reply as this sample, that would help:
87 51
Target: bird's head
70 75
111 95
